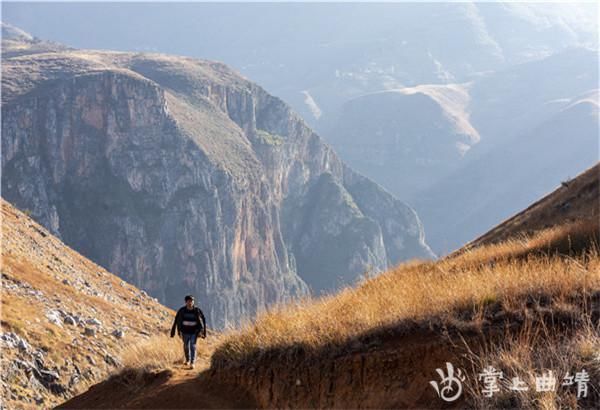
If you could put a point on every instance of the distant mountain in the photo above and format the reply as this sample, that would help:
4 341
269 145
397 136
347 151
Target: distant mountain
183 177
406 139
515 100
496 184
409 94
466 156
65 320
347 50
419 134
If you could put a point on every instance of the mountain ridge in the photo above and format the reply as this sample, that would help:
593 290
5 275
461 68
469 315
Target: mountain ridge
190 172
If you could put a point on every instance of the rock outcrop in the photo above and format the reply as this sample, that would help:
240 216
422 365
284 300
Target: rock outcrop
181 176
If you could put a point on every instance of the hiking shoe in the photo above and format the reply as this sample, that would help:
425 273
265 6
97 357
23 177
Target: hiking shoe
187 362
192 365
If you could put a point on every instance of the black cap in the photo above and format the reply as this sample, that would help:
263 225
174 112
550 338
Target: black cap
189 297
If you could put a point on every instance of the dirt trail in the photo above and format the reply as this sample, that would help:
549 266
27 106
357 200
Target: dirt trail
392 373
177 388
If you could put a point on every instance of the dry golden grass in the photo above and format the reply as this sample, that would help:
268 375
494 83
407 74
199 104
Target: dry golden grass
161 352
158 352
508 273
533 350
568 239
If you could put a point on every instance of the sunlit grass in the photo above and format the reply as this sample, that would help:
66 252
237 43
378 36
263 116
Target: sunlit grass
507 273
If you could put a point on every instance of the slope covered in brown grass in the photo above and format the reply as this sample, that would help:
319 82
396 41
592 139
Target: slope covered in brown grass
525 303
576 200
65 320
378 345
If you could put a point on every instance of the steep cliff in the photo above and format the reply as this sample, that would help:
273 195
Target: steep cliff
182 176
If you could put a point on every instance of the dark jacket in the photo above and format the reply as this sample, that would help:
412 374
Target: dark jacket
196 314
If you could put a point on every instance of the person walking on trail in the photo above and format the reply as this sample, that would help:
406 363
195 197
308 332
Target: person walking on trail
189 323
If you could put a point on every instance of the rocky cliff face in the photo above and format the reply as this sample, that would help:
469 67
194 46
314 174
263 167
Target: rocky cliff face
183 177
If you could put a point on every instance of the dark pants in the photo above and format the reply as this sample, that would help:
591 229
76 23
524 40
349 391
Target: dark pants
189 346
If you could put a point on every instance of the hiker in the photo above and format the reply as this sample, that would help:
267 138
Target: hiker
189 323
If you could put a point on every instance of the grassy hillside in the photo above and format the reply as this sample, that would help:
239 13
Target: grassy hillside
65 320
575 200
469 282
524 299
516 285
